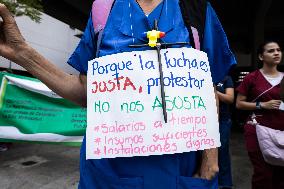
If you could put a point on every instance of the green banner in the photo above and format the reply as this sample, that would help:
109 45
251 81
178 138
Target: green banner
30 111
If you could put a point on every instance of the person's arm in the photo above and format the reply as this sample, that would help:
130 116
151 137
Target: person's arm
209 164
227 97
209 160
14 48
242 104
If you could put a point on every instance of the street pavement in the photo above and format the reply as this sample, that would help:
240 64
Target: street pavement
42 166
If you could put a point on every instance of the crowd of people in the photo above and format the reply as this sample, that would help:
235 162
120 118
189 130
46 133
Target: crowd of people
259 93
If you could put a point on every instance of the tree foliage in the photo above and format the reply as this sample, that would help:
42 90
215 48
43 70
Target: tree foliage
30 8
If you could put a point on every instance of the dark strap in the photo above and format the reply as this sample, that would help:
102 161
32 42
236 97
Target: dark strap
194 15
254 100
282 89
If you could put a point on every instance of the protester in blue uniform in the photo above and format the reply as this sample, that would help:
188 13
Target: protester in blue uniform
128 20
225 92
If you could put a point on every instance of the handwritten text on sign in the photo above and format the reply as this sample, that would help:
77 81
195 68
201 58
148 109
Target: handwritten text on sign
124 111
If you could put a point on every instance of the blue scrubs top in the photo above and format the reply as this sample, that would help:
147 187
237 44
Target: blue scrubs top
126 24
224 109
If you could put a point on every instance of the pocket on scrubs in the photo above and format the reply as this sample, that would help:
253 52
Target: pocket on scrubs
97 174
107 179
197 183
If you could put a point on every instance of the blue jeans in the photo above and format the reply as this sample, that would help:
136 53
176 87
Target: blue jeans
225 173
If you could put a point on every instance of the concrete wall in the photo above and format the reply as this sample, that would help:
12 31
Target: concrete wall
55 40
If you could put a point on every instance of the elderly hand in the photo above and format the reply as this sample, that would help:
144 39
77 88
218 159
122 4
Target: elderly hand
11 41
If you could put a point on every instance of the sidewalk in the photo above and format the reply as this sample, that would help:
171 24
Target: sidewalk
241 166
41 166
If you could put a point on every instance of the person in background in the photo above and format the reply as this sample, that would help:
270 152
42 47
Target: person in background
260 93
225 92
127 21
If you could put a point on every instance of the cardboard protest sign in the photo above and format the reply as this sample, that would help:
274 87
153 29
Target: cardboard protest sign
124 110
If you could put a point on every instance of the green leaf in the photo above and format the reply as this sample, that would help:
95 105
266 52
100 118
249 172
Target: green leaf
30 8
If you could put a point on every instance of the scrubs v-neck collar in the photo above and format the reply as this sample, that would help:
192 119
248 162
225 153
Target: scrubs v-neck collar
134 19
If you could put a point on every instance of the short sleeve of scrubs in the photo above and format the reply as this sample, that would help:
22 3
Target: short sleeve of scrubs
229 83
246 85
216 46
85 50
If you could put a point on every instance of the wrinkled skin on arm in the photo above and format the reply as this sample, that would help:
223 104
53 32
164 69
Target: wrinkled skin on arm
14 47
